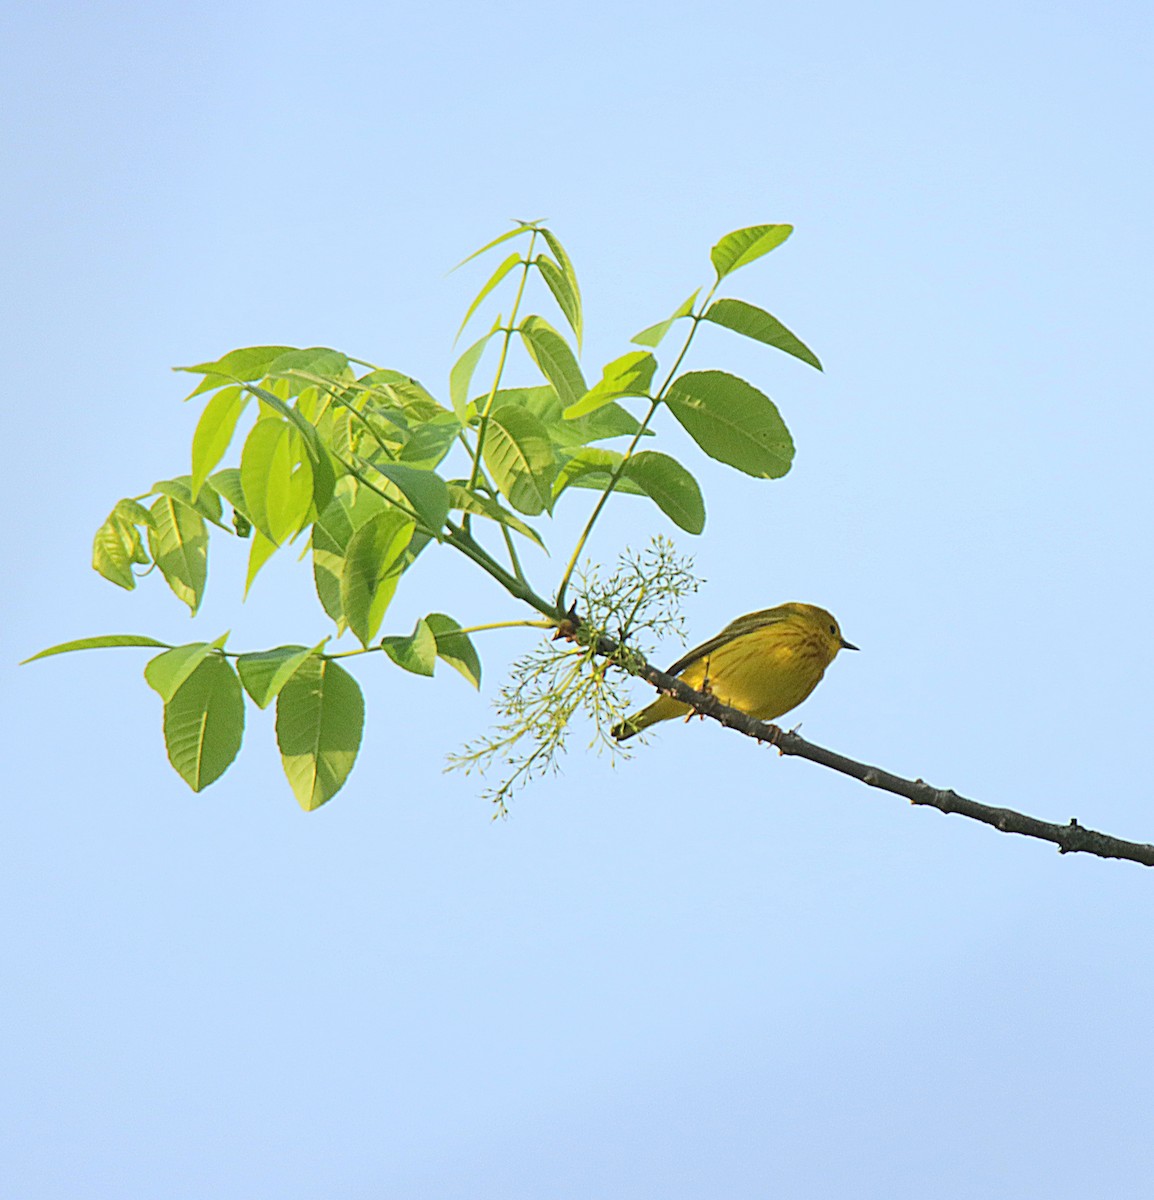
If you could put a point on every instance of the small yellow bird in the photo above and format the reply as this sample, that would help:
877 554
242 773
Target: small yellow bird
764 663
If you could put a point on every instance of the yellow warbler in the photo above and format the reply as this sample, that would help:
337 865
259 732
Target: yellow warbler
764 663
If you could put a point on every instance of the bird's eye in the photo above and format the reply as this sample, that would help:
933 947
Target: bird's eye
833 630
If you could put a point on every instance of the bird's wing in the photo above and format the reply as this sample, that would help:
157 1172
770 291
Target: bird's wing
750 623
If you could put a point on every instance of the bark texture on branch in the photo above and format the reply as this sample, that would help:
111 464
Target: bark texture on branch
1070 838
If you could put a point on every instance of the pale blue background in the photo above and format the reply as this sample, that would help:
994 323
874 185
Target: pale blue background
711 972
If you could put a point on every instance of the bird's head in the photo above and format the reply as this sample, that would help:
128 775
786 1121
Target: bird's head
823 625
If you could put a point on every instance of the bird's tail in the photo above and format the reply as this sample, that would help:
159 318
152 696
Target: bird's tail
662 709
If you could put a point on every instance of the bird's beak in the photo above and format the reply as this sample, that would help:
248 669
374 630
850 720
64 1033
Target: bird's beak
848 645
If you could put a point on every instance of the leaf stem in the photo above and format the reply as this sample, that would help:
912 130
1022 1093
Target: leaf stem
619 470
463 541
508 331
469 629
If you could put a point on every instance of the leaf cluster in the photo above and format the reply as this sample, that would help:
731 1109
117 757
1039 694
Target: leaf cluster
369 470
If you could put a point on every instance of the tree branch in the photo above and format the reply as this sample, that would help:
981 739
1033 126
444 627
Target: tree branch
1070 839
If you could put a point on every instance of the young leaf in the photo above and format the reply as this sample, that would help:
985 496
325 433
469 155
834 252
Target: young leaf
267 671
214 431
114 551
204 723
520 459
523 227
246 364
493 281
455 647
133 512
227 483
742 246
567 300
308 432
166 673
550 351
629 375
367 583
179 546
297 365
180 488
277 478
485 506
259 552
117 544
461 376
654 334
425 491
351 506
325 471
320 716
416 653
733 422
756 323
101 642
569 276
671 486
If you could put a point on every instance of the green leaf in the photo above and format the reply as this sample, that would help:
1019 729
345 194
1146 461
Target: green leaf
277 478
742 246
592 467
523 227
425 491
101 642
568 282
520 459
227 483
214 431
493 281
629 375
485 506
351 506
416 653
266 672
733 422
461 376
654 334
248 363
454 647
114 551
756 323
297 365
611 421
166 673
259 552
133 512
179 546
671 486
367 583
320 716
307 431
550 351
204 723
430 441
607 422
180 488
567 300
117 544
649 473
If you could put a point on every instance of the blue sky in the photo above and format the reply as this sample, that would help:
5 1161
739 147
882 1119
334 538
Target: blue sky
709 971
